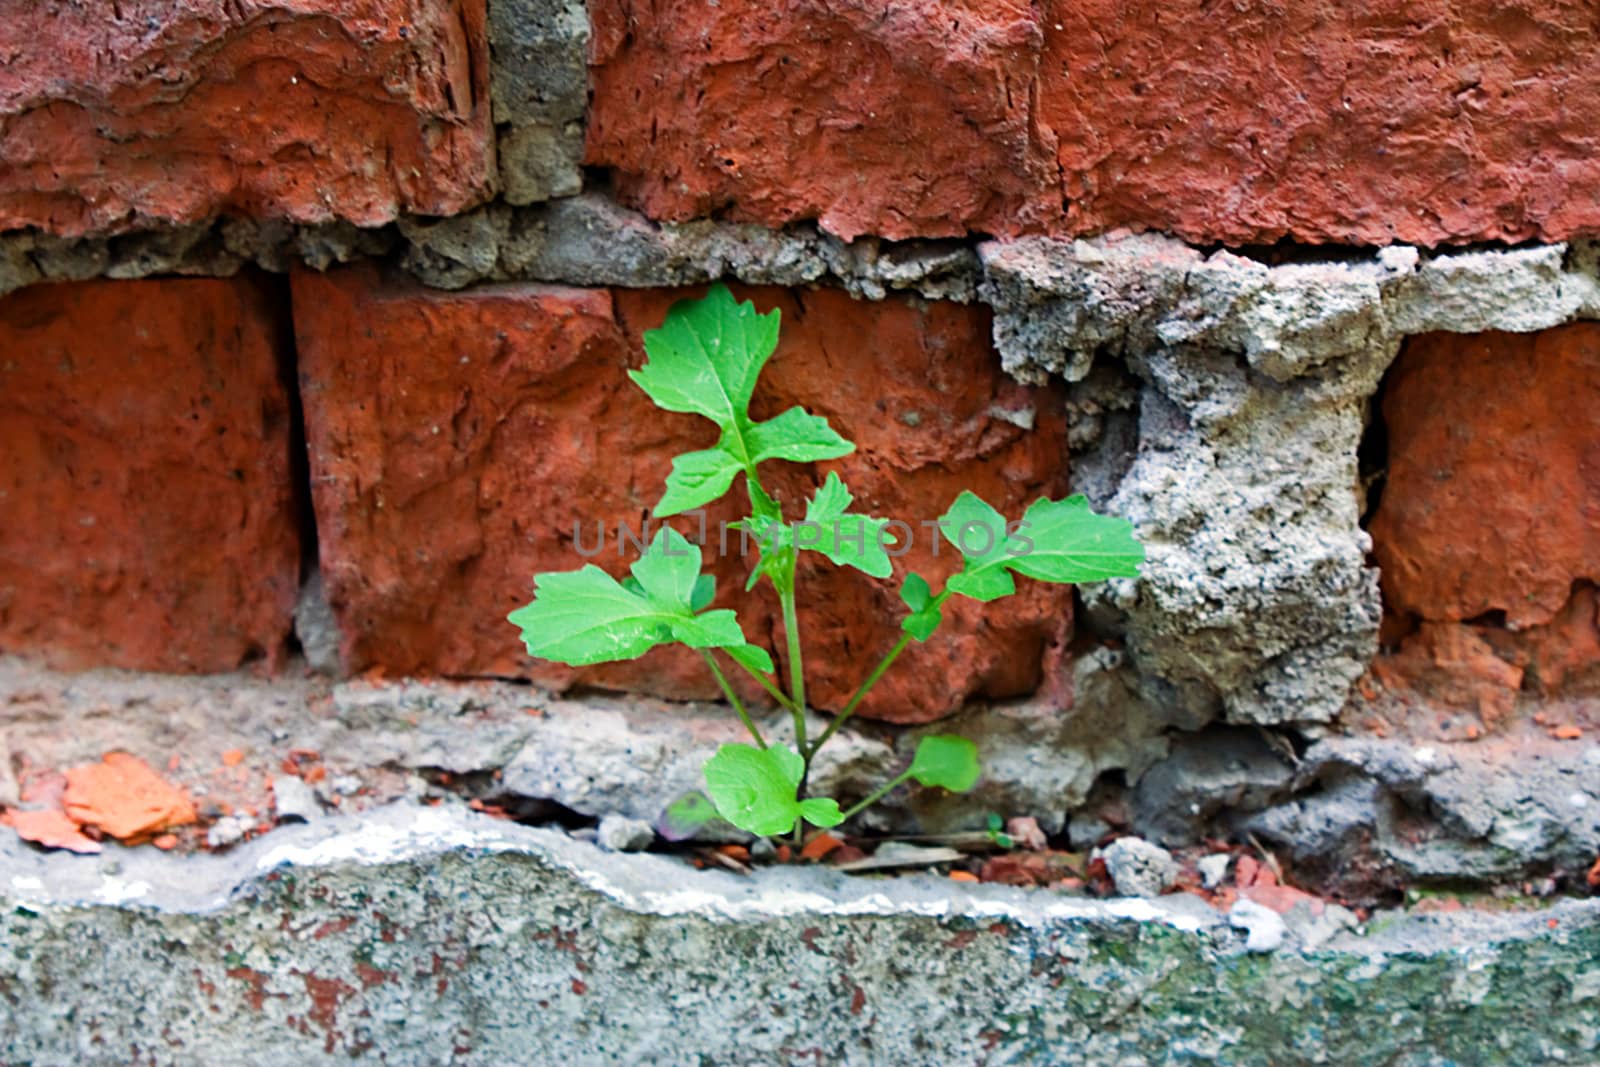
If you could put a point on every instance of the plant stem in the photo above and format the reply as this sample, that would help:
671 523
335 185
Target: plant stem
733 698
797 674
866 687
875 796
769 685
860 693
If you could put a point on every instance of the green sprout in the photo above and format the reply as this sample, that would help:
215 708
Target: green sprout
705 360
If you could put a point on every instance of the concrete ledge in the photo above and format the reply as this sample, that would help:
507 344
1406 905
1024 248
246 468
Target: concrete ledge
437 936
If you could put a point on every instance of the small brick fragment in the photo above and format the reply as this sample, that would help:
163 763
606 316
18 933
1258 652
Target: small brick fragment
124 797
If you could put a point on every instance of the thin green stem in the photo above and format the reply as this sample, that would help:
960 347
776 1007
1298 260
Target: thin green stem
733 698
874 796
769 685
861 692
797 671
866 687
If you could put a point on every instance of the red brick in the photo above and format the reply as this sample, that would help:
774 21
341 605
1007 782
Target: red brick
159 111
900 119
1450 665
1486 669
1399 120
150 521
457 437
1492 502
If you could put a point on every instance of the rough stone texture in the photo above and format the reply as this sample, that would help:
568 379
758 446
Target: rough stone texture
1138 868
1229 435
215 249
909 120
457 440
1431 124
539 85
591 240
594 756
1492 500
171 112
1225 768
322 944
1371 812
618 833
149 521
1359 814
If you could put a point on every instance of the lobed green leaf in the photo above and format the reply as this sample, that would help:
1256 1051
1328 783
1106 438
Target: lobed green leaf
1056 541
797 436
846 538
586 616
697 478
705 360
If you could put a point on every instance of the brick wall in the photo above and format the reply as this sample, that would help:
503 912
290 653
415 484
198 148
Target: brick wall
1019 247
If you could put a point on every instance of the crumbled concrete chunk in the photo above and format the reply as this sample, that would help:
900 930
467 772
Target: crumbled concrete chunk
294 800
618 833
1214 868
1264 928
1138 868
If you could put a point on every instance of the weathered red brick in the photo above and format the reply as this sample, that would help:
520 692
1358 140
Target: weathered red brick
126 798
1422 121
456 441
456 438
1492 501
145 474
160 111
1450 665
900 119
1487 670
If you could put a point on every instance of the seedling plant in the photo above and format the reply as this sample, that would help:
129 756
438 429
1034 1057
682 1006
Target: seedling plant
705 360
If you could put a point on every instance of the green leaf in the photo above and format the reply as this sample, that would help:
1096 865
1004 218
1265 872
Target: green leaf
753 656
821 811
668 570
755 788
925 613
586 616
1056 541
798 436
848 539
697 479
705 591
705 360
686 816
707 355
947 761
1063 541
997 833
